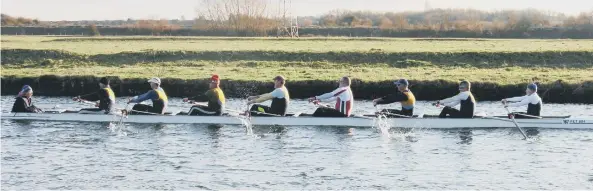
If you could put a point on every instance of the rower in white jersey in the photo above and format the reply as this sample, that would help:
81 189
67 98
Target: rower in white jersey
465 100
343 97
531 99
280 100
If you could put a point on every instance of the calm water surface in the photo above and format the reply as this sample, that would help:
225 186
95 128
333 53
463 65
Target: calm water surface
60 155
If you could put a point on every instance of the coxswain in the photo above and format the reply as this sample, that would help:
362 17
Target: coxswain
23 102
403 95
157 95
343 97
531 99
465 99
214 96
105 96
280 100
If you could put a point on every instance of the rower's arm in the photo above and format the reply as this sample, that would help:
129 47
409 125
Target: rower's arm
92 96
148 95
329 95
33 109
524 101
516 99
19 105
393 98
204 97
453 101
29 107
329 99
263 97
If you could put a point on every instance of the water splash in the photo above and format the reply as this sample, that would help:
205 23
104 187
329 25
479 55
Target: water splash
118 129
390 131
117 125
245 121
383 125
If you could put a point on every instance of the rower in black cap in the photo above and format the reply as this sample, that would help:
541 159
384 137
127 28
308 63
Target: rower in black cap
105 96
403 95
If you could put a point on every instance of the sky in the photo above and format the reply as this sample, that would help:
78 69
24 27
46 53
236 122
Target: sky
54 10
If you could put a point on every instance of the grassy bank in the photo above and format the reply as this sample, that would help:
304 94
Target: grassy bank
107 45
369 59
260 72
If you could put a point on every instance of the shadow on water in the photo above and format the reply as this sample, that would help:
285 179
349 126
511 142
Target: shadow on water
532 132
27 123
265 130
466 136
339 130
213 131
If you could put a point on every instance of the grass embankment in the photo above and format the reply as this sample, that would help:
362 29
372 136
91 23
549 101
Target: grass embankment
369 59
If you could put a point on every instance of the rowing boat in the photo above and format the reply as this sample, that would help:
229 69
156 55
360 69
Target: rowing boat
561 122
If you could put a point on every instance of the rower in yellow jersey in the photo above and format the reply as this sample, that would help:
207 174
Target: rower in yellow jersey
105 96
214 97
158 97
403 95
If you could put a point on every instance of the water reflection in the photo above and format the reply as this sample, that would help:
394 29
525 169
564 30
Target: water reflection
21 123
465 135
532 132
213 130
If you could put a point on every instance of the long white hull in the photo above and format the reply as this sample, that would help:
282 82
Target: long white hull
560 123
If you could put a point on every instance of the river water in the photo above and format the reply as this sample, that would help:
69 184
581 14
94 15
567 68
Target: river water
60 155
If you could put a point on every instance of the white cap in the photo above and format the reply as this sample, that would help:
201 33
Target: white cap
155 80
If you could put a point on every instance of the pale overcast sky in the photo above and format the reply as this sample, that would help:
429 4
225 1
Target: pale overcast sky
171 9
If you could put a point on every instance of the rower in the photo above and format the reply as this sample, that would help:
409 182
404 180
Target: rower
280 100
465 99
157 95
214 97
403 95
105 96
531 99
23 102
343 97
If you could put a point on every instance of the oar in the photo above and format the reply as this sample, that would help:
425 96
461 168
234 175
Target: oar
515 122
377 111
124 113
195 103
395 115
364 117
248 113
531 116
87 102
150 113
270 114
496 118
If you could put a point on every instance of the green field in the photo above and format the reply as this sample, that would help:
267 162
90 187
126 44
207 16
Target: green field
369 59
106 45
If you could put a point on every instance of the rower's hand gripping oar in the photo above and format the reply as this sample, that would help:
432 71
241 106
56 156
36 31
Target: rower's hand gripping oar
317 102
79 100
512 116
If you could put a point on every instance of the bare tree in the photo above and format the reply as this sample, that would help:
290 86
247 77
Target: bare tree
238 15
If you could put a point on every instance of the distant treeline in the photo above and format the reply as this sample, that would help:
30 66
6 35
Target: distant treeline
304 32
557 92
220 20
